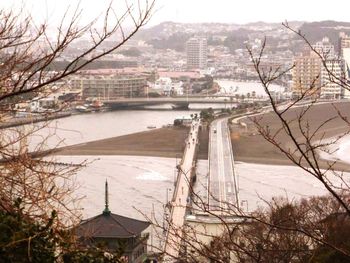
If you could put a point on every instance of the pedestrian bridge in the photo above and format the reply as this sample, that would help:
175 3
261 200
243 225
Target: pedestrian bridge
179 202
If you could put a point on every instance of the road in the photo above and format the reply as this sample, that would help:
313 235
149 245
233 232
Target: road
181 195
138 100
222 179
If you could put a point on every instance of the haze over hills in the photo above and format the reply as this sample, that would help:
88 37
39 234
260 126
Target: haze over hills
315 31
173 35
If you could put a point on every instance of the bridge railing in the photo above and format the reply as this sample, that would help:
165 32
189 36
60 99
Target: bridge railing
177 188
233 164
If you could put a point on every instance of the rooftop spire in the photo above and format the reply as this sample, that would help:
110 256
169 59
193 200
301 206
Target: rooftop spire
106 211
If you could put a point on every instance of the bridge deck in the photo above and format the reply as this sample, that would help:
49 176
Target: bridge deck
180 198
145 101
222 188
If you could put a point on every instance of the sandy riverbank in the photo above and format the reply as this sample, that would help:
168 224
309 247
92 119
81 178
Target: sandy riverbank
164 142
248 145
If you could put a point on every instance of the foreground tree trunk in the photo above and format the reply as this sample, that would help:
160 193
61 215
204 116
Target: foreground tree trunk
43 188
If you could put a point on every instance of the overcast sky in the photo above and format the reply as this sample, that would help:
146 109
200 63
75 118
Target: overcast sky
228 11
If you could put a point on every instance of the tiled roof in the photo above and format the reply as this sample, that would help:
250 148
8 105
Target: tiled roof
108 225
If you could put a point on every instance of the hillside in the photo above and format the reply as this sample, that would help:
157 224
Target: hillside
315 31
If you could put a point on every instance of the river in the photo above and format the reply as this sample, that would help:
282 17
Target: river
83 128
139 184
243 88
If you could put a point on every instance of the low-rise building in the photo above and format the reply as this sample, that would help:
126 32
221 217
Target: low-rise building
110 86
163 86
114 233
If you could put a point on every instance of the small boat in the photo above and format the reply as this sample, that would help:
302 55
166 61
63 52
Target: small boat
151 127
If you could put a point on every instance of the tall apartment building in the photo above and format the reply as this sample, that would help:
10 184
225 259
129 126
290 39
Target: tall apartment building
329 87
344 52
325 48
196 49
346 60
309 73
344 42
110 86
306 74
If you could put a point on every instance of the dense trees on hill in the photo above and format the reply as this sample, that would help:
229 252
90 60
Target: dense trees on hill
315 31
160 38
176 41
131 52
237 39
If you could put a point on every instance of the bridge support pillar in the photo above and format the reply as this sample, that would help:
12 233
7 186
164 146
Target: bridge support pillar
181 106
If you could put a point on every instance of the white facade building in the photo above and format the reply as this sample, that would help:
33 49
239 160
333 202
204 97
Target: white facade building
329 87
163 85
196 50
346 58
343 42
166 86
309 72
325 48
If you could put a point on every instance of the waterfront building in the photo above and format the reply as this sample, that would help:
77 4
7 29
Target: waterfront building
167 87
110 86
163 86
115 233
196 51
176 76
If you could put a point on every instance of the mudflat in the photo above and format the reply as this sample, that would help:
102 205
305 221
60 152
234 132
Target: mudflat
249 146
163 142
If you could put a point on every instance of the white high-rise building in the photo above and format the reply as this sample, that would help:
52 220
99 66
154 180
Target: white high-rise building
196 49
344 42
330 79
325 48
311 77
346 58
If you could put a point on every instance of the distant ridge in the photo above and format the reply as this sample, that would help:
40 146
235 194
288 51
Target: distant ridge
173 35
315 31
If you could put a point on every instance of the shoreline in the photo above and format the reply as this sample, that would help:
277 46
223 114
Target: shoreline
34 119
248 146
162 142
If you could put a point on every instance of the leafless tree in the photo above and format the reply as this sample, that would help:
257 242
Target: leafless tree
307 230
28 51
306 137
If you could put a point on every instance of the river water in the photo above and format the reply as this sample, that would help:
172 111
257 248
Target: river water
136 183
140 184
243 88
96 126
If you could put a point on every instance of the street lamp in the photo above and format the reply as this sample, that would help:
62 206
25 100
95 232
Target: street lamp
175 175
176 157
167 196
